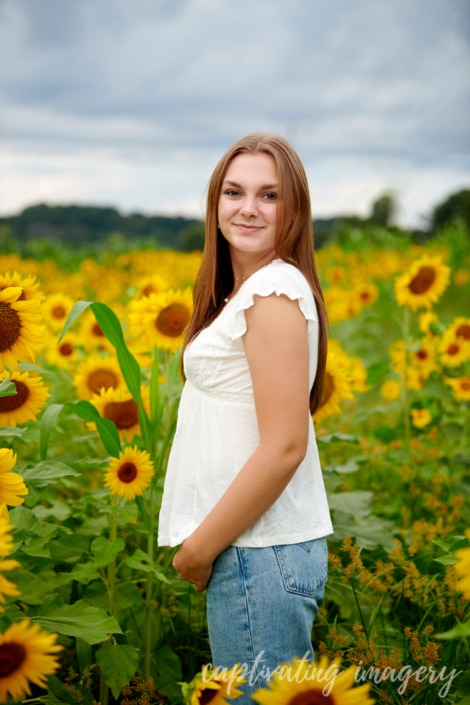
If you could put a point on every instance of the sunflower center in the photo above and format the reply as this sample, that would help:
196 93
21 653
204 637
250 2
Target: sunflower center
127 472
96 330
124 414
422 355
10 326
463 331
312 697
423 281
58 312
328 389
172 320
208 695
12 656
101 378
453 349
15 401
465 385
66 349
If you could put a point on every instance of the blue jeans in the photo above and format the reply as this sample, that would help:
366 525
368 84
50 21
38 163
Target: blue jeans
261 604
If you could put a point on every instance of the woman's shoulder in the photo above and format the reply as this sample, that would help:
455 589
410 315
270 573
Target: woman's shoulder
279 277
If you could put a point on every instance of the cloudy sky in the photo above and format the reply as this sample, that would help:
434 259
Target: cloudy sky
130 103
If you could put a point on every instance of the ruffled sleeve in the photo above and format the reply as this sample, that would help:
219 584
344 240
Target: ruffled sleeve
280 278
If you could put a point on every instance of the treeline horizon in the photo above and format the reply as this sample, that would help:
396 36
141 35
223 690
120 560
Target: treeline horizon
81 226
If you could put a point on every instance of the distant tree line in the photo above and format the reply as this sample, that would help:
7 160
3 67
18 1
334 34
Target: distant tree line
82 226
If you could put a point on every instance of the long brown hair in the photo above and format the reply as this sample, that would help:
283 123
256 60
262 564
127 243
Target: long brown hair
294 241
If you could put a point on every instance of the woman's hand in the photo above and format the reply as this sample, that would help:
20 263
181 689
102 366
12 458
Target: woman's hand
189 566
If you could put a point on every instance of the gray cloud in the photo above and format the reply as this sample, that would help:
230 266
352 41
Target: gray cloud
362 84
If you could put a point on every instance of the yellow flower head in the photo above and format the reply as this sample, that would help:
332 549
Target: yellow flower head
56 309
65 354
160 320
216 686
130 474
420 417
422 355
25 405
120 407
423 284
336 387
6 546
462 568
303 683
27 655
29 285
12 485
453 351
390 389
21 333
97 372
460 387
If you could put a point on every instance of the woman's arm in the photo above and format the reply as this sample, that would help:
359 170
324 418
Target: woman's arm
276 346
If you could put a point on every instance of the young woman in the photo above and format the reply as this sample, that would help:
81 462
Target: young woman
244 496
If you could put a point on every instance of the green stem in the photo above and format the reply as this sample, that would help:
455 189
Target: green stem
149 589
405 391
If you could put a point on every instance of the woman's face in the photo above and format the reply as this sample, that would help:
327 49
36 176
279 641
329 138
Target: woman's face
247 208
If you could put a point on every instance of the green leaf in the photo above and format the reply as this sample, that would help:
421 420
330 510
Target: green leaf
105 551
48 422
80 619
11 431
118 663
142 561
107 429
75 312
460 631
355 503
338 437
69 549
7 387
47 472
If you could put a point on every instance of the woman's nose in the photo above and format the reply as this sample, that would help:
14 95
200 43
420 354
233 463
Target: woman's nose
248 206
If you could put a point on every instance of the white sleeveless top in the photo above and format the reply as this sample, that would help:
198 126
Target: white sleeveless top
217 428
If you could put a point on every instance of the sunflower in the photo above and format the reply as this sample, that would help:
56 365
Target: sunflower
423 284
453 350
390 389
213 686
29 285
130 474
21 334
160 320
64 354
460 387
95 373
11 484
304 683
56 309
120 407
26 654
28 401
366 293
6 546
420 417
336 387
422 356
151 284
462 568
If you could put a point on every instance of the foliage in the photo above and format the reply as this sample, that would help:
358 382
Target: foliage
89 569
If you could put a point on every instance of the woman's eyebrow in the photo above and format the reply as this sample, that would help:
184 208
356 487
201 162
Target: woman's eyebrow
262 187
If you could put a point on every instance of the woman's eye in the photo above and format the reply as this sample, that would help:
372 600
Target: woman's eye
270 196
231 192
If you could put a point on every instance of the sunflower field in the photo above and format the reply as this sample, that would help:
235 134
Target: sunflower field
90 608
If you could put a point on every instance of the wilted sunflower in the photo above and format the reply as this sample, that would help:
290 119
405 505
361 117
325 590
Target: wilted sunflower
56 309
95 373
11 484
462 568
21 333
27 655
304 683
423 284
28 401
160 320
335 388
120 407
460 387
130 474
216 686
